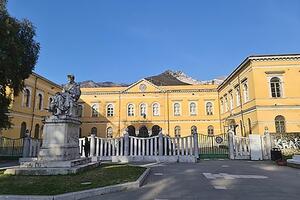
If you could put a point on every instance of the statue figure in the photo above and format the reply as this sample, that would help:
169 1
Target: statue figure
65 103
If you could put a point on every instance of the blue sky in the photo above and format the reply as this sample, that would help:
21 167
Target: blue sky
125 40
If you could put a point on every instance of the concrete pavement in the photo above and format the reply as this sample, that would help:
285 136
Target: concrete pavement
216 180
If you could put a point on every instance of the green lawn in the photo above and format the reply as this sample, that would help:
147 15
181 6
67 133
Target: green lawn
106 174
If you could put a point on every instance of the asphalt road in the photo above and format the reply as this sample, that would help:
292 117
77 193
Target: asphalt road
222 180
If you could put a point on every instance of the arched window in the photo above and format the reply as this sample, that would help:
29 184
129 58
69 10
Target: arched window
275 85
36 131
245 92
155 130
110 110
177 131
80 110
230 100
109 132
155 109
130 110
143 132
250 126
193 129
176 109
280 124
94 131
23 129
27 97
209 108
143 110
131 130
210 130
226 102
40 101
95 110
193 108
237 96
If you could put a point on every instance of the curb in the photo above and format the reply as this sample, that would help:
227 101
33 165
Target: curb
83 194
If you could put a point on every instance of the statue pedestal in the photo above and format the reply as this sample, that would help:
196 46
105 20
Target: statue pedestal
59 153
61 140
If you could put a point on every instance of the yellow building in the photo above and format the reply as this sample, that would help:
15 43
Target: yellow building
144 108
262 92
28 108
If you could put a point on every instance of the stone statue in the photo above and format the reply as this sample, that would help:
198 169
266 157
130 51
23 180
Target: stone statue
65 103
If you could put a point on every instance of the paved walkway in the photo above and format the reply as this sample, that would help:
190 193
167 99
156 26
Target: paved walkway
222 180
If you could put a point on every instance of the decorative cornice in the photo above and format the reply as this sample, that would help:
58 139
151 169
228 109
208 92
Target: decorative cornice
167 91
258 58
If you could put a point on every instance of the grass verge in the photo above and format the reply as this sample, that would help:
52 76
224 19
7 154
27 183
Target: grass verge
104 175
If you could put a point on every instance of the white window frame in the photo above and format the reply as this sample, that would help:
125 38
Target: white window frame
158 109
230 100
133 110
112 131
280 76
237 95
212 108
177 127
226 103
97 109
196 106
246 96
174 110
140 109
110 113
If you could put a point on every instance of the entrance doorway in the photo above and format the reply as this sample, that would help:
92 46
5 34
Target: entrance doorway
155 130
131 130
143 132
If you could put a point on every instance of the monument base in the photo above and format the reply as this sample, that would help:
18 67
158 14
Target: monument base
32 166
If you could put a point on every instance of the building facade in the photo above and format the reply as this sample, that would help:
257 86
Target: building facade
28 109
263 92
144 108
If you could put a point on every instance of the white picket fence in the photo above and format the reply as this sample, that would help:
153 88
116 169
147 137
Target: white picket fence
254 147
241 146
129 148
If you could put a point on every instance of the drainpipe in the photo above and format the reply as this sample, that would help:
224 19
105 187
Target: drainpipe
33 106
220 112
168 109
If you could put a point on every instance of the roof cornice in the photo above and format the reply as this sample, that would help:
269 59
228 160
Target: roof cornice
259 58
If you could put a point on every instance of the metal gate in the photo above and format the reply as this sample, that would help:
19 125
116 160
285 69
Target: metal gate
11 147
214 146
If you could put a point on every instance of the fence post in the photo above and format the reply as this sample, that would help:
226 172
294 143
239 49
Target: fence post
126 145
196 147
26 145
231 144
268 143
160 143
92 145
